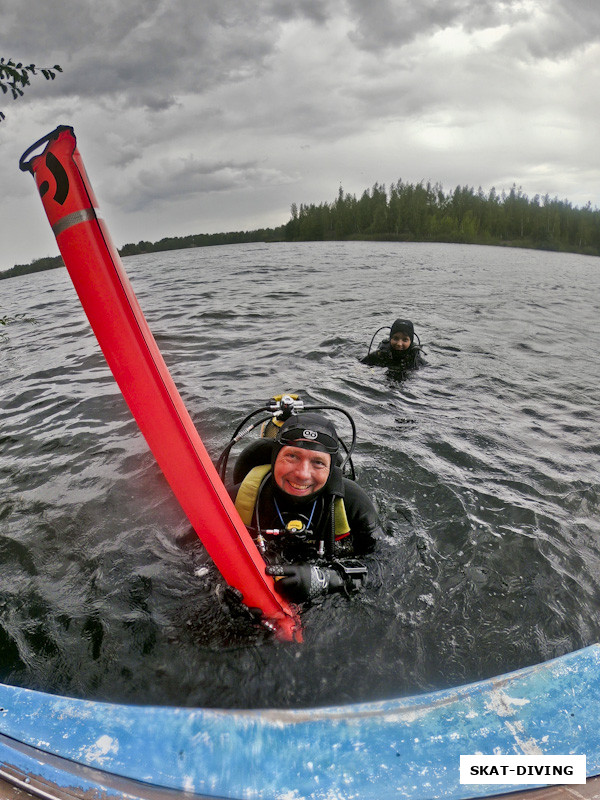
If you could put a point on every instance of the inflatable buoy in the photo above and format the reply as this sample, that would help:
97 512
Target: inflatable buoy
142 375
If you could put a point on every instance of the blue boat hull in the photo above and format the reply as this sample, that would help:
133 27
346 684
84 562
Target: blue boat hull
406 748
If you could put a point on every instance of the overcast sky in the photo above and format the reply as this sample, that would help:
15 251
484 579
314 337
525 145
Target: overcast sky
200 116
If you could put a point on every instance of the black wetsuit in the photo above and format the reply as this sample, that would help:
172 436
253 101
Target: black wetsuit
386 356
316 514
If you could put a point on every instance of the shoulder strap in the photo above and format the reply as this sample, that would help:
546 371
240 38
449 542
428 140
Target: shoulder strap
248 492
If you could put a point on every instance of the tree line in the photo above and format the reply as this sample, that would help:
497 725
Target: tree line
203 240
407 212
37 265
424 212
168 243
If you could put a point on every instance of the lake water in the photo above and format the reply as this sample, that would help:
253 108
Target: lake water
484 466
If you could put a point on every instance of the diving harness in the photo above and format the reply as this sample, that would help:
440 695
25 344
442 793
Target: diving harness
279 409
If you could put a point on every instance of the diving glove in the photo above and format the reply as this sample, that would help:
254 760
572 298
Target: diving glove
301 582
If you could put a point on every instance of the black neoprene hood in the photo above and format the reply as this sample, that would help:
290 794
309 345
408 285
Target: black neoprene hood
403 326
310 431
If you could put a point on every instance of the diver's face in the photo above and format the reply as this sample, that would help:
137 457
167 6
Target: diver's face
299 472
400 341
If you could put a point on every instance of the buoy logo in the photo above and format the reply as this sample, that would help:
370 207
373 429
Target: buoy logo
60 177
307 434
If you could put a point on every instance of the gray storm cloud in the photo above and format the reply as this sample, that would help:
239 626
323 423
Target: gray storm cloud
263 103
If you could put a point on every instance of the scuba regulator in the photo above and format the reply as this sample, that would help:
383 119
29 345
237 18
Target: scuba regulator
280 408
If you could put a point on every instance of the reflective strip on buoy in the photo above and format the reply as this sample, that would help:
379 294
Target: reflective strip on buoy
85 215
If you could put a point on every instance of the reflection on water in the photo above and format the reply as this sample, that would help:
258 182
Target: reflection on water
483 465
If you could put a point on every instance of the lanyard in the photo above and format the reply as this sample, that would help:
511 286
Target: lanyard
281 517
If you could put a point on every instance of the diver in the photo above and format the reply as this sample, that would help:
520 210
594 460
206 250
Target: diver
304 514
399 350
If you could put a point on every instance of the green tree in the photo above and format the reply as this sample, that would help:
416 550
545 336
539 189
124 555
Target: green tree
15 76
293 226
344 215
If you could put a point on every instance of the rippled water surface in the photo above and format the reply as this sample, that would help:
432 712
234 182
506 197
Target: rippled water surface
484 466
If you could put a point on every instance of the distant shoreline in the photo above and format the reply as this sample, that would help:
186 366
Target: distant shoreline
407 213
272 235
169 243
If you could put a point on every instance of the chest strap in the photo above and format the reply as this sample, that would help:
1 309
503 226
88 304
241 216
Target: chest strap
246 497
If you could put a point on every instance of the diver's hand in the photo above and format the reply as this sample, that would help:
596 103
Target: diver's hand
301 582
